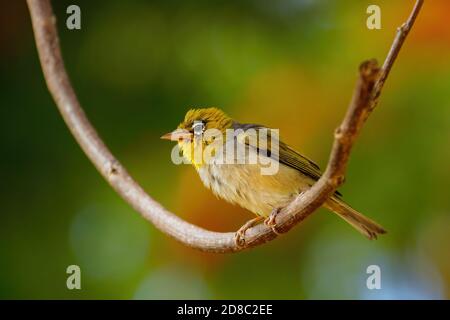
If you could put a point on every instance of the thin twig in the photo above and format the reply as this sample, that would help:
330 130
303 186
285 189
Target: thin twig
402 33
365 97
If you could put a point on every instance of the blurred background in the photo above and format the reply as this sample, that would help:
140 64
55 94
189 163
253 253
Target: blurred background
137 67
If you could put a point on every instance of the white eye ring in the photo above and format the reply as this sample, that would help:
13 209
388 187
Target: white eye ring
198 127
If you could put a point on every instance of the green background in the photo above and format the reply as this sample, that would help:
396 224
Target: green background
138 66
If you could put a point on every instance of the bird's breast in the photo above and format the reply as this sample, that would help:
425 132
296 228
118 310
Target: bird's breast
243 184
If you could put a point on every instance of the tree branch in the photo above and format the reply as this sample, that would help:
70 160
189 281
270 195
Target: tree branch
365 97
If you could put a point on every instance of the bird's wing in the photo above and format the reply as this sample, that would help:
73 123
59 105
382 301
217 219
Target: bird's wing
286 155
293 159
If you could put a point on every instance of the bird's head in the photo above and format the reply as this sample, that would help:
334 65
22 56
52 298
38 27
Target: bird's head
190 133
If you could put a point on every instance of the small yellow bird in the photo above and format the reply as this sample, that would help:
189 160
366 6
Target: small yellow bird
243 183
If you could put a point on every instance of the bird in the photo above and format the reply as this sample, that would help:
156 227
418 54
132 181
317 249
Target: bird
242 182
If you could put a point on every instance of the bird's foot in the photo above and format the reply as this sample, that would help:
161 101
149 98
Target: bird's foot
271 220
239 236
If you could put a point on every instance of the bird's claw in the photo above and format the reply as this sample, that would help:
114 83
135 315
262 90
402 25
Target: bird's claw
271 221
239 236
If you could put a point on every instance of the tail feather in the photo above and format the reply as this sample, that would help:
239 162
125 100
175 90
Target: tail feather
361 223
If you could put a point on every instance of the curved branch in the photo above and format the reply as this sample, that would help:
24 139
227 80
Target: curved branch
365 97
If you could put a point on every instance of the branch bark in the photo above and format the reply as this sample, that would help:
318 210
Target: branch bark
365 98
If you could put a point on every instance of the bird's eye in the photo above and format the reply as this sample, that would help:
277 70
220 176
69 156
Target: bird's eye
198 127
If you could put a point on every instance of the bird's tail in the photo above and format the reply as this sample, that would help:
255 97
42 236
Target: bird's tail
361 223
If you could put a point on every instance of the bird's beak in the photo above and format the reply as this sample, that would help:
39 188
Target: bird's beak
177 135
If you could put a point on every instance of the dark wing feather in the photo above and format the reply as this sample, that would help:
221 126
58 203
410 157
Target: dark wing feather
293 159
287 155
